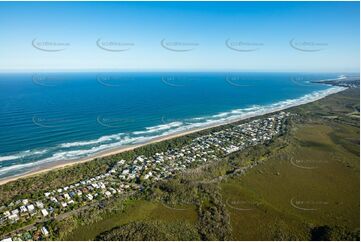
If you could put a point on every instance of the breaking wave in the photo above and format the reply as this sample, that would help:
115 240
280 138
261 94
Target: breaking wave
23 154
158 128
91 142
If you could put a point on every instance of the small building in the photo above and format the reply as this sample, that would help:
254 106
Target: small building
66 196
39 204
108 194
23 209
44 231
44 212
15 211
101 185
89 196
125 172
13 217
31 208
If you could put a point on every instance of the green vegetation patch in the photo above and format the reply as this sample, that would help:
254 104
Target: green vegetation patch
133 210
151 230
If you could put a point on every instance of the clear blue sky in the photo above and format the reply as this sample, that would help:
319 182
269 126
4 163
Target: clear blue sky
270 29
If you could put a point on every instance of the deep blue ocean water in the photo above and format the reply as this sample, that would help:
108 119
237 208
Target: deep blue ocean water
47 117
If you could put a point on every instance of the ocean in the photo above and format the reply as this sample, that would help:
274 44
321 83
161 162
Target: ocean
48 117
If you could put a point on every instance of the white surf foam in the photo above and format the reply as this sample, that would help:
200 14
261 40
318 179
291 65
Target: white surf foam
158 128
91 142
23 154
9 157
18 167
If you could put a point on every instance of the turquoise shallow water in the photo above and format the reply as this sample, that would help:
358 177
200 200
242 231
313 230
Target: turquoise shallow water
47 117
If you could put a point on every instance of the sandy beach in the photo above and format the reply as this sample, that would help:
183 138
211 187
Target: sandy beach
66 163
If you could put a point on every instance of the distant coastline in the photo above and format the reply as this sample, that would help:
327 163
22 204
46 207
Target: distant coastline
42 168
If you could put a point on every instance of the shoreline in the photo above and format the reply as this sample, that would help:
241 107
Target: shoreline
67 163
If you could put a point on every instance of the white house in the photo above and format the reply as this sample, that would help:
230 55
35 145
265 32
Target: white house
23 209
6 214
39 204
89 196
15 211
14 217
66 195
44 231
108 194
44 212
125 172
30 208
